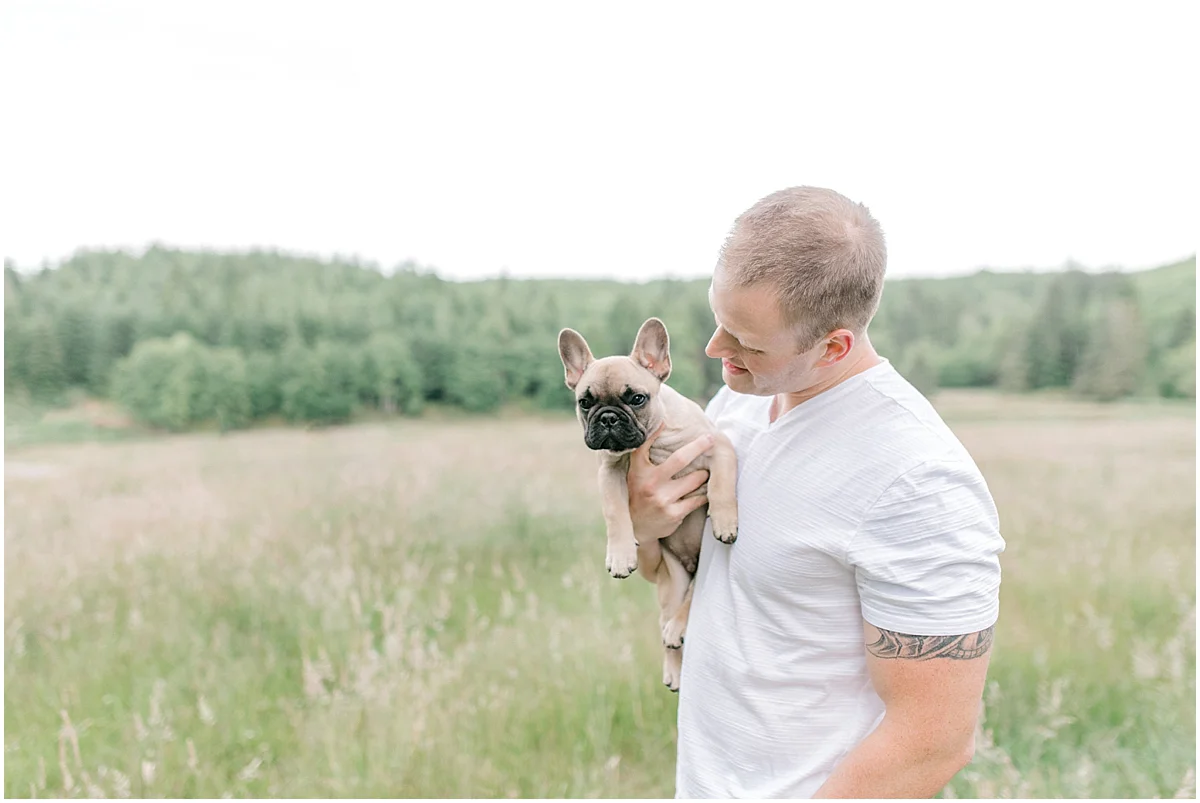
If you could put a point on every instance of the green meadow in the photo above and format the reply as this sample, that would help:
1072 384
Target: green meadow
419 608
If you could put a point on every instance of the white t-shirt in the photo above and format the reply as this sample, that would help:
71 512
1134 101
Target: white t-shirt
857 504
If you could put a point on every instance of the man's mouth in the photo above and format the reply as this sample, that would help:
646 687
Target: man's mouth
733 369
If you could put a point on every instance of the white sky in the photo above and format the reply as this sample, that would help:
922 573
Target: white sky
615 139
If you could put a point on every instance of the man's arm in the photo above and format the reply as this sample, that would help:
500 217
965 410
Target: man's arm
932 687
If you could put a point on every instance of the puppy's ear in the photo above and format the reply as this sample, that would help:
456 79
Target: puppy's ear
652 349
575 354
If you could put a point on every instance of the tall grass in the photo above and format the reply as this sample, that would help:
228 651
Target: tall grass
421 609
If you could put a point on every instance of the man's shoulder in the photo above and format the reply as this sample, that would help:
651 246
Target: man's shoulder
896 416
883 432
882 424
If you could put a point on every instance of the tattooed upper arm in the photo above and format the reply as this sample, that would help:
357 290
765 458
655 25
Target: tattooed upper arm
891 644
938 688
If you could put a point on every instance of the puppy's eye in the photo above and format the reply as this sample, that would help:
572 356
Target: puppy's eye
637 400
585 404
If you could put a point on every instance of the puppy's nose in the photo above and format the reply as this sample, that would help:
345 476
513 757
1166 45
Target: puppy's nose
608 418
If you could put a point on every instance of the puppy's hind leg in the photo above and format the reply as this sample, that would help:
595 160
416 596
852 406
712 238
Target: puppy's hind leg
668 605
674 599
676 627
672 668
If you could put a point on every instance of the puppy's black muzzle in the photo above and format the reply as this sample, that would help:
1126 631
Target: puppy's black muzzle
612 429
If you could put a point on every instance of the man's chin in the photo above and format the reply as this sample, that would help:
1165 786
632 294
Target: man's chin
744 384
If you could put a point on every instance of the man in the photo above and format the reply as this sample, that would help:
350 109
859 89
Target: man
839 648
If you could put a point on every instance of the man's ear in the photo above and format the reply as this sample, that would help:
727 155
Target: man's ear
652 349
575 354
837 345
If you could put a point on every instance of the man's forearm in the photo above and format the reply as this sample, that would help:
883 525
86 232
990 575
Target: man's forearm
898 761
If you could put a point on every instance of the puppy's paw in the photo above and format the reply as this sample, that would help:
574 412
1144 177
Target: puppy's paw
672 669
725 527
673 632
621 561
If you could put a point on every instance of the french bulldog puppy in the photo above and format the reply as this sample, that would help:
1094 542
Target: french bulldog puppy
621 401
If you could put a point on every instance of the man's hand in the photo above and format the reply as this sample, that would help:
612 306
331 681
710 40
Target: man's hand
656 502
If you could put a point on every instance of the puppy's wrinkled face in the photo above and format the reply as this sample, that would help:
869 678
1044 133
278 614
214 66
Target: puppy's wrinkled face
615 402
617 398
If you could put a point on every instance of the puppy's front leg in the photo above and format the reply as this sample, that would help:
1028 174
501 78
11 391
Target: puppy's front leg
722 490
622 554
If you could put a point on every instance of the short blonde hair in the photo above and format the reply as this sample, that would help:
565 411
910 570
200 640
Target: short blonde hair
824 253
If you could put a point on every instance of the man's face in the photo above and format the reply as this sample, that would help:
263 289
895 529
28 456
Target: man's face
758 351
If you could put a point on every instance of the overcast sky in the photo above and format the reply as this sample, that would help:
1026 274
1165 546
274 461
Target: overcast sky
616 139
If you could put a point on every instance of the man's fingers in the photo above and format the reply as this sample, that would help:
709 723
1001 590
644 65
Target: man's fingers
687 483
686 454
686 506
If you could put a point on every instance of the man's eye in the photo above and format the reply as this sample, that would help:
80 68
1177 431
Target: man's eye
585 404
637 400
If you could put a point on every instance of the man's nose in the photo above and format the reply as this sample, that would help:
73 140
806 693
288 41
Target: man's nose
717 346
608 418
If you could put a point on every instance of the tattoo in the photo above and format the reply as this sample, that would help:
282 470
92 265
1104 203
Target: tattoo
922 648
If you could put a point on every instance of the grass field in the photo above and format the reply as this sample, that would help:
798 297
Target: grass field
421 609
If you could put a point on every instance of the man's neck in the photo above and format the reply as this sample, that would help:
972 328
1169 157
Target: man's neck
860 358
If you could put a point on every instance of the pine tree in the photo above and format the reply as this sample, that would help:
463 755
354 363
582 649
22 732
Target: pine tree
1114 362
921 369
393 374
77 334
1014 361
15 349
44 373
475 380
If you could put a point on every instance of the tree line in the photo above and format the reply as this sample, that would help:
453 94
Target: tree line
185 338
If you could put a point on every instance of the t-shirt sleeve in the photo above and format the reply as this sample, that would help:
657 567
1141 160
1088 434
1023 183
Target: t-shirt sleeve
926 557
